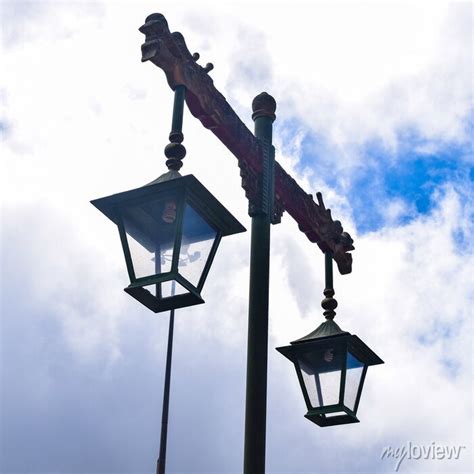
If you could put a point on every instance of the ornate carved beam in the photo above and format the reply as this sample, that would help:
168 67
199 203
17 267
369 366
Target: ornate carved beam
169 52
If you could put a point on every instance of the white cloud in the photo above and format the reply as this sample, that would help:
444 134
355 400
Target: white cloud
85 119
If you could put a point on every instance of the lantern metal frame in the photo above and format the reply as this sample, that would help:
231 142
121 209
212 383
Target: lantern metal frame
186 190
349 344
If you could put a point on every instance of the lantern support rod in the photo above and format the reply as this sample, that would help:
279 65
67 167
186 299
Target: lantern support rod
257 347
175 150
178 109
328 271
161 462
329 303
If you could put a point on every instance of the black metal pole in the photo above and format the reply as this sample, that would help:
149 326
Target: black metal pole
264 107
161 462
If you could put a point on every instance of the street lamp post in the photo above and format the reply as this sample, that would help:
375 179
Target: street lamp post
270 191
261 176
264 107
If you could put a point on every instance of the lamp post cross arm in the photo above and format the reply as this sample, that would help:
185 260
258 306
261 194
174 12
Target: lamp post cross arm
169 52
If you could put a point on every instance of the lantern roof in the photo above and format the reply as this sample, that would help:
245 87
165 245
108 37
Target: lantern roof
326 332
201 199
169 175
326 329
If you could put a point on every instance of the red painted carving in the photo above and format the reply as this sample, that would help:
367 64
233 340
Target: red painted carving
169 52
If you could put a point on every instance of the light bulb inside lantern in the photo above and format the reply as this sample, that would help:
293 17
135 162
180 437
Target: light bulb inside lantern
169 212
329 355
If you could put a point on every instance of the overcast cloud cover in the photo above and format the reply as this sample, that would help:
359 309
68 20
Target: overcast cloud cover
374 110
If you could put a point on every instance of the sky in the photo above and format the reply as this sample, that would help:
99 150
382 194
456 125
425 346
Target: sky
374 109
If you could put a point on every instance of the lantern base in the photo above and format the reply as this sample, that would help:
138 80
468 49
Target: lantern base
157 305
335 419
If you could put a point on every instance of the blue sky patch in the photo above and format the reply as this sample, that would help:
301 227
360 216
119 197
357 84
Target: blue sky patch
4 129
408 176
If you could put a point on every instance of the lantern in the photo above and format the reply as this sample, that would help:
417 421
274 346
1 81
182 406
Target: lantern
170 230
331 366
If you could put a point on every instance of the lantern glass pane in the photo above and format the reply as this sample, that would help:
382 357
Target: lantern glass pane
151 230
309 379
143 260
321 372
196 244
330 387
353 377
